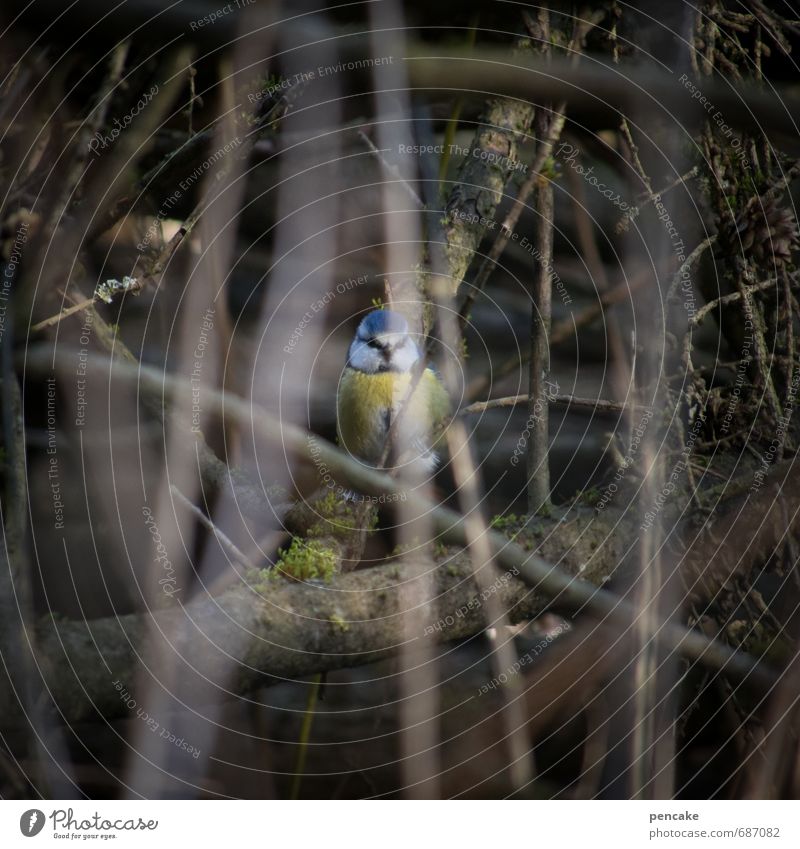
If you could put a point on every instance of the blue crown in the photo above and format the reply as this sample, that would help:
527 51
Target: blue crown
382 321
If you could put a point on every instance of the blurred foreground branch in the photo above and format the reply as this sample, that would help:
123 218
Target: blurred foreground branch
596 89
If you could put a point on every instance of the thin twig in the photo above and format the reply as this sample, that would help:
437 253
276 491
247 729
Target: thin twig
484 565
688 265
222 538
541 312
751 308
305 736
390 169
81 306
600 405
790 364
731 298
650 197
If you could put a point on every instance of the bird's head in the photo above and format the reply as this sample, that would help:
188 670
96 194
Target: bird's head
382 343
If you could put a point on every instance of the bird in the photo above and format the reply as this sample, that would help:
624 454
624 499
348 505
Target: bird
376 384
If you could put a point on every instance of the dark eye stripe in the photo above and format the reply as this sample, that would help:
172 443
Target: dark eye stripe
374 343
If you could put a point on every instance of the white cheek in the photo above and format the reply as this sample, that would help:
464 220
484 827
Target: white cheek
364 358
404 357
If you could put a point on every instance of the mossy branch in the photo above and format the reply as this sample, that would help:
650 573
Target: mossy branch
482 179
294 629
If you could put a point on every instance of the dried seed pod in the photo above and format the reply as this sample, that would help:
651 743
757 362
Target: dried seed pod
765 231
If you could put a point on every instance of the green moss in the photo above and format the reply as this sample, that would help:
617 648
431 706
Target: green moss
591 496
439 550
260 579
549 168
307 560
339 623
330 507
338 518
405 547
53 618
503 523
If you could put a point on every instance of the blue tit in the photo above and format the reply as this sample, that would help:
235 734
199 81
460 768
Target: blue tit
375 386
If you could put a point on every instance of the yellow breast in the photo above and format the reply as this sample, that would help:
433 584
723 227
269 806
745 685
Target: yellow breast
367 404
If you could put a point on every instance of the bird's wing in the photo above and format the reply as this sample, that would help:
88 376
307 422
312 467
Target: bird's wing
438 399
